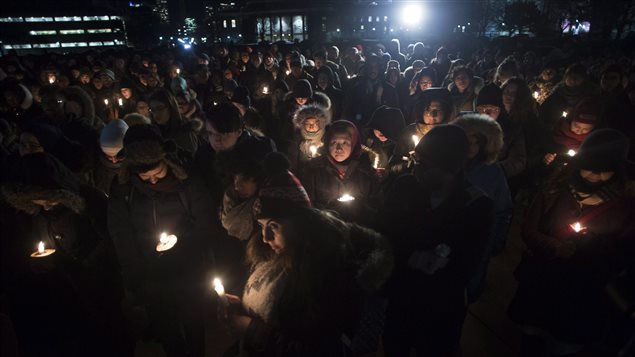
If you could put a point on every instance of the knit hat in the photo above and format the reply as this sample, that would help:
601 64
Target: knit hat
389 121
604 150
588 111
302 89
444 147
491 94
108 73
241 96
111 138
282 193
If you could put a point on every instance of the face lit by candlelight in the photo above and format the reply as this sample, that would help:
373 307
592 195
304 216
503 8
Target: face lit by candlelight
311 125
301 101
245 187
153 176
340 147
273 234
594 177
581 128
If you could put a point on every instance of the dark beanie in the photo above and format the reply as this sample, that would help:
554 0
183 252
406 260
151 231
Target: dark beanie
143 148
241 96
444 146
491 94
588 111
604 150
389 121
282 193
302 89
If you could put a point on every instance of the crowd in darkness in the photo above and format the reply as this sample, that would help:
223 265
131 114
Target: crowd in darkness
347 197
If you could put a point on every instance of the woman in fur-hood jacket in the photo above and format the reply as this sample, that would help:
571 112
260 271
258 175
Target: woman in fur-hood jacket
310 123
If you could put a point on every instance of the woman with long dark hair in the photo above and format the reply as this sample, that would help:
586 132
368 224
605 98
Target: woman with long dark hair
166 115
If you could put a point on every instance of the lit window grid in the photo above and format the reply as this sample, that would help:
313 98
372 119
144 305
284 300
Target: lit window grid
58 18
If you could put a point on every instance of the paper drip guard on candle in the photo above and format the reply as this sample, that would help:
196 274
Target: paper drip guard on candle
220 290
166 242
346 198
42 251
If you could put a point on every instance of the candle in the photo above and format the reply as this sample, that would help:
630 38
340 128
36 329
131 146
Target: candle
346 198
376 162
415 140
536 95
564 114
220 290
51 79
349 77
120 100
166 242
571 153
42 251
106 101
215 103
313 149
178 71
288 72
265 90
577 227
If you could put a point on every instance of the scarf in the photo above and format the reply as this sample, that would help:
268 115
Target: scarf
237 217
263 290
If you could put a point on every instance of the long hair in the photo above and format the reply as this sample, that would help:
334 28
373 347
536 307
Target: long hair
164 96
524 108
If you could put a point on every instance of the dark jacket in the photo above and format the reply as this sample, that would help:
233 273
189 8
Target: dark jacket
513 155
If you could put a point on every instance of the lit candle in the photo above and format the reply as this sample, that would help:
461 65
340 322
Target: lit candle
166 242
220 290
215 103
120 100
577 227
42 251
265 90
346 198
376 162
106 101
288 72
313 149
349 77
571 153
564 114
415 140
536 95
178 71
51 79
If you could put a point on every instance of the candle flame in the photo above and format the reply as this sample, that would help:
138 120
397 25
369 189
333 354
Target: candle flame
218 287
376 163
265 90
106 101
564 114
164 238
577 227
313 149
51 80
346 198
178 71
571 153
40 248
536 95
415 140
120 101
288 72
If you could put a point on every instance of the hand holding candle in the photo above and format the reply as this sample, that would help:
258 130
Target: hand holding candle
166 242
42 251
313 149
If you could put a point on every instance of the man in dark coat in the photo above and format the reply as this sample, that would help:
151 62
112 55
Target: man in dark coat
156 199
68 302
439 224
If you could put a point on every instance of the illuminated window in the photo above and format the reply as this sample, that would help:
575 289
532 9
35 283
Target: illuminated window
71 32
46 45
108 43
38 19
370 19
92 44
115 17
68 18
74 44
233 23
377 19
44 32
11 19
103 18
96 18
17 47
224 23
385 18
361 27
99 30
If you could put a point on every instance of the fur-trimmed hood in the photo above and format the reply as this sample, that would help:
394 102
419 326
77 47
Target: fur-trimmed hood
77 93
318 112
486 129
42 177
373 256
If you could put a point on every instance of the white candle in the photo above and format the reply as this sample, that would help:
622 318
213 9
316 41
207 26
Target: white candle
265 90
220 290
40 248
166 242
120 100
376 163
42 251
415 140
313 149
571 153
346 198
564 114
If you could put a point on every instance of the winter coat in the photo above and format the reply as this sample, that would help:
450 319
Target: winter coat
285 323
325 187
564 99
562 293
513 155
299 151
465 102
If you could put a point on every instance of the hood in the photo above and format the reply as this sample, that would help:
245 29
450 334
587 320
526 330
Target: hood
389 121
80 95
312 111
42 177
481 125
27 102
342 126
373 257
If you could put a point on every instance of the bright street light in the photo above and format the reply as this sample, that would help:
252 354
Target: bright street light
412 14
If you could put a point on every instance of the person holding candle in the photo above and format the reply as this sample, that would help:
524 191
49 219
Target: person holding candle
69 301
167 117
439 225
154 195
578 231
343 169
310 122
385 128
309 272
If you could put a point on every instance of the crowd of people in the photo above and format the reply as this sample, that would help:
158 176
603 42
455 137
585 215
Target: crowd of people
349 198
